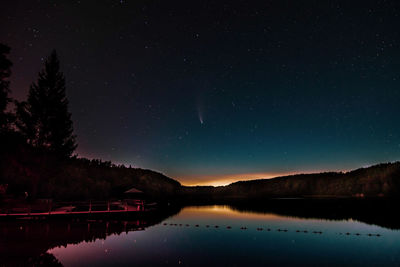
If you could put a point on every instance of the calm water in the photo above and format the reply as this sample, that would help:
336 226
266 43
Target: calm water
139 243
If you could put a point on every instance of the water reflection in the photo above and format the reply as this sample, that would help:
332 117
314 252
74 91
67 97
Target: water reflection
381 212
27 241
239 235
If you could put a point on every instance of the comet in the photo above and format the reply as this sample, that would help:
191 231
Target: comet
200 108
200 116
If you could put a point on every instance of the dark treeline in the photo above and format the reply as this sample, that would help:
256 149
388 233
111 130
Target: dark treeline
43 176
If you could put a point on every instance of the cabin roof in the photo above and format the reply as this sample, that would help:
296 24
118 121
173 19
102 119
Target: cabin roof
133 190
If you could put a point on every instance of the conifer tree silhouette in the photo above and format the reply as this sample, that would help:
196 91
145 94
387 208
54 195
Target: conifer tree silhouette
5 72
44 118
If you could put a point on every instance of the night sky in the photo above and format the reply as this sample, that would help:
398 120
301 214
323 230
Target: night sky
209 92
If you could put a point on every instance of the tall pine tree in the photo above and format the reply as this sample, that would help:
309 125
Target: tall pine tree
44 118
5 72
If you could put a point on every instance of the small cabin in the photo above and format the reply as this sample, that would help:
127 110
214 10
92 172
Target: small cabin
134 193
135 197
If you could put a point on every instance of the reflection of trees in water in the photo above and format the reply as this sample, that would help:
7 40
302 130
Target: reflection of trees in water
45 259
27 241
381 212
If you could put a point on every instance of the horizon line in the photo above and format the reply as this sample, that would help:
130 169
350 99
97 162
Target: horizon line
227 179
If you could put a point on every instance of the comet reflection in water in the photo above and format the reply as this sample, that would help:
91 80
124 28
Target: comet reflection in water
222 236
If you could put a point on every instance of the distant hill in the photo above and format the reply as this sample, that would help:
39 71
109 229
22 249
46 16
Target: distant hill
43 175
382 180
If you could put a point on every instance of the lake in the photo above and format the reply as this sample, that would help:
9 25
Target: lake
214 235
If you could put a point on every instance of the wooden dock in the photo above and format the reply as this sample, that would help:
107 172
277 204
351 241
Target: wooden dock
77 209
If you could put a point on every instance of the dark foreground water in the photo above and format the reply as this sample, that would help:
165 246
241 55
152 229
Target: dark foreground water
201 236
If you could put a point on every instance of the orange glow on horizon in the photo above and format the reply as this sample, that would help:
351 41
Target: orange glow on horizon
226 179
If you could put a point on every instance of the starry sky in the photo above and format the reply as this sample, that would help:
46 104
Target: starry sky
209 92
